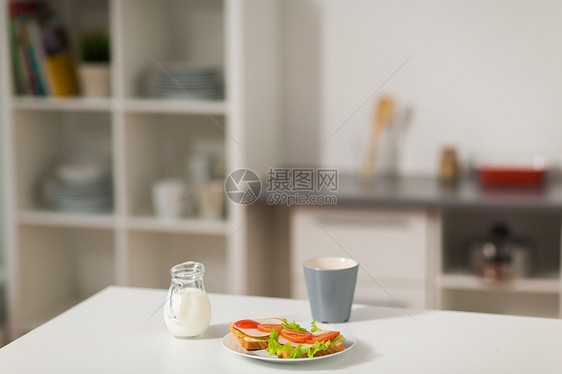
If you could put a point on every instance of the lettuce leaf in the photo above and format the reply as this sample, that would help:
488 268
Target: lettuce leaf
314 327
300 350
274 348
320 346
339 338
293 326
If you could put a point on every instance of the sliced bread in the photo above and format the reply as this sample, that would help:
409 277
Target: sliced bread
338 347
248 342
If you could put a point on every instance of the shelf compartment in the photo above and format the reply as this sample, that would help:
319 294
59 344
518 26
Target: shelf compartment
464 227
545 284
78 18
54 218
176 106
60 267
169 31
158 146
192 226
82 17
44 138
151 255
62 104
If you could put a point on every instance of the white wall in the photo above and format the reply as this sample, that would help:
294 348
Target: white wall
485 75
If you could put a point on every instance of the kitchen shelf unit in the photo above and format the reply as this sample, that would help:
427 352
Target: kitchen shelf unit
59 266
176 107
62 104
546 285
187 225
132 247
458 289
54 218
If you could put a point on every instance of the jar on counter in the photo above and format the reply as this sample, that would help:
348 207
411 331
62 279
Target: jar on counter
449 166
187 311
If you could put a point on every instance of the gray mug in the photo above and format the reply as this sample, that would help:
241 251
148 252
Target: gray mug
330 282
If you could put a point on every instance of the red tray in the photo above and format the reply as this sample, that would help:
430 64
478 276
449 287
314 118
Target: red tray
511 177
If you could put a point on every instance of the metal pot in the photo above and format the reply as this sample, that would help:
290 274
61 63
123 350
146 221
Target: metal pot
501 257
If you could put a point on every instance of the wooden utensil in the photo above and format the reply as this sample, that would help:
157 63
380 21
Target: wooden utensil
383 117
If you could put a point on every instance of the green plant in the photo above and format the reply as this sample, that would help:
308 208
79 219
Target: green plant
94 47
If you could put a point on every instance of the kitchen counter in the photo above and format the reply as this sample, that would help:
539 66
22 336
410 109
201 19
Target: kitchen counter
426 192
121 330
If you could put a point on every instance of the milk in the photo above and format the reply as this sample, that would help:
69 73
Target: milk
191 311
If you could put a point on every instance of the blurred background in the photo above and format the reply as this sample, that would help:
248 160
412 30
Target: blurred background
121 120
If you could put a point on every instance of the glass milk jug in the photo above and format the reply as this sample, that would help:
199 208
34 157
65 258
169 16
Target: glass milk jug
187 311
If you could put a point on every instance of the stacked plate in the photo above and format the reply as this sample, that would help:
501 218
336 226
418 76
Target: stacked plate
85 188
179 81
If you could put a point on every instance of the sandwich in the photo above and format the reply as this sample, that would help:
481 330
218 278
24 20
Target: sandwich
254 334
286 340
293 341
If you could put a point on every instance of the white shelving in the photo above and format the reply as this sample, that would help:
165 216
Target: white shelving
193 226
457 288
152 254
62 104
130 105
547 285
175 106
60 265
56 259
500 302
56 219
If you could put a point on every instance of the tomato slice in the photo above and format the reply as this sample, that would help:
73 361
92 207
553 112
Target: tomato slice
326 335
246 324
295 336
266 327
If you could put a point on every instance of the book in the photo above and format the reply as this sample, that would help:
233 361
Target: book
20 79
26 53
40 57
41 53
31 52
19 60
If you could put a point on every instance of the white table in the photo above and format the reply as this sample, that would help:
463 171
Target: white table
112 333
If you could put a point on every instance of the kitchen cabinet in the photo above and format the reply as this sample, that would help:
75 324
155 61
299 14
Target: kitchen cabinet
390 245
460 289
413 238
55 258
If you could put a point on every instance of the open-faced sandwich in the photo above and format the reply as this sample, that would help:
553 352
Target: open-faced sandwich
254 333
286 340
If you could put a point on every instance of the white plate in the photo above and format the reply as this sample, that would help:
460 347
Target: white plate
232 344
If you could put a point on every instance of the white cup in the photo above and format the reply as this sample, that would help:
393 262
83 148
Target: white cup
212 200
168 198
